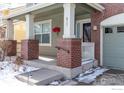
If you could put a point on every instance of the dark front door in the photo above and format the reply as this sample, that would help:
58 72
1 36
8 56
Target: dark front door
86 32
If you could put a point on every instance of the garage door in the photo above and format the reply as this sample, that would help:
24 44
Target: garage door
113 47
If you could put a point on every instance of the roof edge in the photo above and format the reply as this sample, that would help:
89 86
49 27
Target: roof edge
96 6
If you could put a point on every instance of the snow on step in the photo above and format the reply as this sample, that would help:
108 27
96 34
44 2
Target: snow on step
90 75
64 83
42 76
7 73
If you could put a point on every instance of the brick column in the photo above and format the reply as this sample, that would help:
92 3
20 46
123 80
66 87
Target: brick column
30 49
11 47
69 53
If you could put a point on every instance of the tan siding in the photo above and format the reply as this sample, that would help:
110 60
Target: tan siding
57 20
19 31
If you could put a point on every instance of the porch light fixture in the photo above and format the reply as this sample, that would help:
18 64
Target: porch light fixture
94 28
56 30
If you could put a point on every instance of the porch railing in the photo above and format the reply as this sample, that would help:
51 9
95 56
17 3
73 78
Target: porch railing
87 51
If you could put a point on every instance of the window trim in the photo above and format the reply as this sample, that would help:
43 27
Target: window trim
81 22
117 28
109 32
50 33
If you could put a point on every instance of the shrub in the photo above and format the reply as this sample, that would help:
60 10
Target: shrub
18 62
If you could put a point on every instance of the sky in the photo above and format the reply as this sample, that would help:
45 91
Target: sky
10 5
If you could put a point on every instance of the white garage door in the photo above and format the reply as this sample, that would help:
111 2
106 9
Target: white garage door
113 47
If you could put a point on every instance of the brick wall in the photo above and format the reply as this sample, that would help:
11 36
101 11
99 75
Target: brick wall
11 47
97 17
72 57
30 49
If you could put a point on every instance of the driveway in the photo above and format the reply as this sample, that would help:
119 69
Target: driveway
110 77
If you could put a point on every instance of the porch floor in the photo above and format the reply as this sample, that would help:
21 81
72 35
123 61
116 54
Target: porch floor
50 63
42 62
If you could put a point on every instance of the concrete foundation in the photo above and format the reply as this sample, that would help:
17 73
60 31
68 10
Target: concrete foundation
68 73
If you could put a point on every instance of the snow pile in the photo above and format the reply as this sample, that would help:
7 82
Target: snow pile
90 75
7 73
63 82
55 83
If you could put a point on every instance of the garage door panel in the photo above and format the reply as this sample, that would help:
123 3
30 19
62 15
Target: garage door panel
116 52
113 49
116 46
114 56
114 63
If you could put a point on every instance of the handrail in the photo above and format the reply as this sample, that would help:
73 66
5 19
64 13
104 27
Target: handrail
58 47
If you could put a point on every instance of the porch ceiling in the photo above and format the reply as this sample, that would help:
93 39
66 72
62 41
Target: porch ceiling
46 7
81 9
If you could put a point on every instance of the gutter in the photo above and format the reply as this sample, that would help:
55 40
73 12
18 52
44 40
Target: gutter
39 6
96 6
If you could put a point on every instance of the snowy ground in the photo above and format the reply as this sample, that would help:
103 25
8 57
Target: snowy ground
7 73
87 77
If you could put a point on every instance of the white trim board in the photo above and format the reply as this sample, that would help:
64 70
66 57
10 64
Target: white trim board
101 45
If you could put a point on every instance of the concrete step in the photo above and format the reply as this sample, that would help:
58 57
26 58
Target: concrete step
42 76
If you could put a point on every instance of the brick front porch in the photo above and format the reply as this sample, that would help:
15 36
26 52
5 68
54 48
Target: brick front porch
50 63
68 49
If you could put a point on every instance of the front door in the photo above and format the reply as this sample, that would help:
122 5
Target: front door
83 31
86 37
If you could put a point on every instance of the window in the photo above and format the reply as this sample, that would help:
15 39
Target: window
108 30
42 32
120 29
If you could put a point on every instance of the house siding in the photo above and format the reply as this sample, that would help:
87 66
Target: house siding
57 20
97 17
19 31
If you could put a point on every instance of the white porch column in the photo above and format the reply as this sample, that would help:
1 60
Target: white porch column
9 30
29 26
69 20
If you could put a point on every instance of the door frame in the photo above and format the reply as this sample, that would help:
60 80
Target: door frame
101 45
82 21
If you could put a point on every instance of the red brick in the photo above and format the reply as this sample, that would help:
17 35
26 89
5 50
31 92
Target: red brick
30 49
11 47
71 59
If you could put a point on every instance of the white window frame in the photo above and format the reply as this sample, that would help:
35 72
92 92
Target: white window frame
42 22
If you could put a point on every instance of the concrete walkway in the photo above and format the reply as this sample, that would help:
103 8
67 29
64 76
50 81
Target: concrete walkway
42 76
